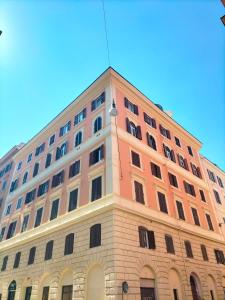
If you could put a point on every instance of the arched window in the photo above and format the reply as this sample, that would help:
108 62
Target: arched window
78 138
97 124
95 235
31 256
48 250
69 241
169 153
151 141
11 290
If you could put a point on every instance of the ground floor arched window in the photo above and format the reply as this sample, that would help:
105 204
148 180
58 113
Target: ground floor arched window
147 284
195 287
12 290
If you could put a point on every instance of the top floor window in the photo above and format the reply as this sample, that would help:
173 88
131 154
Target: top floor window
149 120
190 150
29 158
98 101
80 117
19 165
165 132
64 129
52 140
132 107
220 182
169 153
177 141
133 129
40 149
151 141
211 175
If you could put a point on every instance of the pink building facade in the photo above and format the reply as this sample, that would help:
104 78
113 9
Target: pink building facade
103 199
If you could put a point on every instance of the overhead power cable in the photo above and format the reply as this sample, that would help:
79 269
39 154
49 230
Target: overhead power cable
106 32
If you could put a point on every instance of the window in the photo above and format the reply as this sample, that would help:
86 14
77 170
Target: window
135 157
74 169
14 185
54 210
48 250
45 293
146 238
48 160
96 155
36 168
29 158
188 249
38 217
217 197
25 223
177 141
31 256
69 241
133 129
11 230
95 235
211 176
28 293
73 200
204 253
96 191
97 124
189 188
30 196
165 132
182 162
4 185
52 140
61 151
139 194
156 170
151 141
80 117
132 107
175 294
220 259
58 179
169 244
196 170
173 180
4 263
209 221
78 138
150 121
98 101
19 203
2 233
180 210
40 149
64 129
17 260
162 202
8 209
19 165
190 150
67 292
220 182
169 153
43 188
25 176
202 195
195 216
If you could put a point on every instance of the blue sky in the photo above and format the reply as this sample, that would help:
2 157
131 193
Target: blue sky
173 51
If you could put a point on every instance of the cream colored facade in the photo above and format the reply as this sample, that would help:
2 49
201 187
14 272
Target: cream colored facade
98 273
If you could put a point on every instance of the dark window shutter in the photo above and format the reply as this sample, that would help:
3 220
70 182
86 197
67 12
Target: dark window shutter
169 244
73 200
202 195
204 253
151 239
136 109
180 210
76 120
164 150
138 130
84 113
139 192
153 123
96 191
142 241
95 236
160 128
168 134
186 164
102 151
173 156
91 158
69 244
58 153
61 131
195 216
31 256
17 260
128 125
48 160
126 102
162 202
93 105
48 250
188 249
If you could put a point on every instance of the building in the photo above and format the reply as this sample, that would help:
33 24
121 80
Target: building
6 172
115 205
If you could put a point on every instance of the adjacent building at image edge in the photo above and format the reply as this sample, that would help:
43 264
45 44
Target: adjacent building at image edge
104 198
